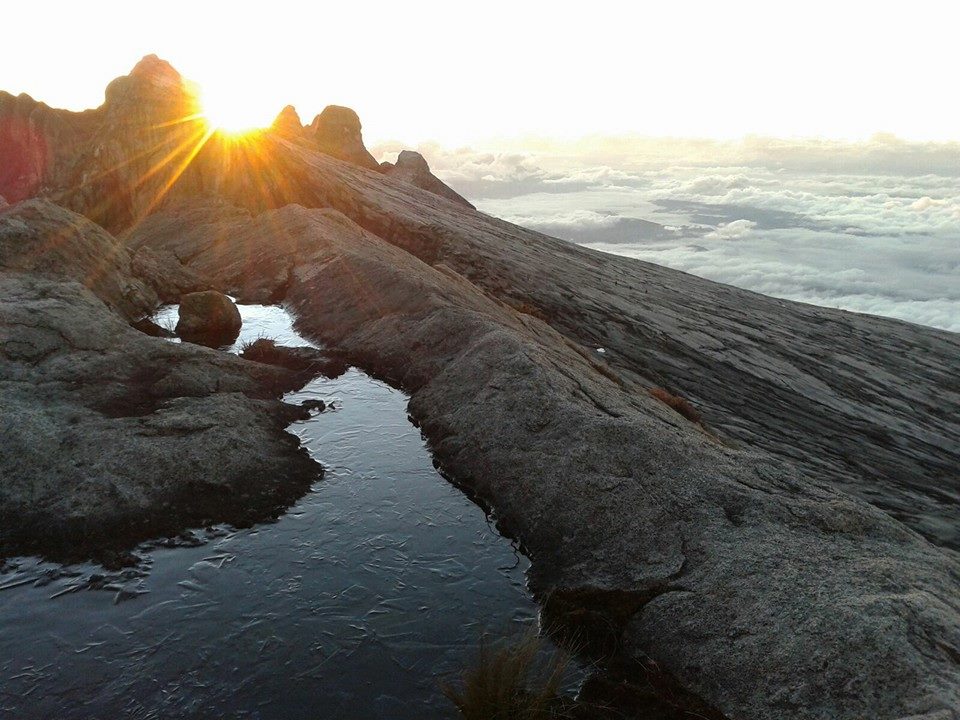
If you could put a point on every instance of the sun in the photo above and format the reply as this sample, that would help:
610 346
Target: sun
233 113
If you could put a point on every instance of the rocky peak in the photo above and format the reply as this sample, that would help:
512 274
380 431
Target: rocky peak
287 123
411 167
152 90
156 70
413 161
337 133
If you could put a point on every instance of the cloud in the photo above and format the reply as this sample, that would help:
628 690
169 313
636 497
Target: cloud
879 155
722 184
732 230
580 218
924 203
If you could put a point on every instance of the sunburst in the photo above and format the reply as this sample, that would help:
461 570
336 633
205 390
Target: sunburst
231 112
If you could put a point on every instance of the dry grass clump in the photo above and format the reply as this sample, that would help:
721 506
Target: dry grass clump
261 344
512 682
677 403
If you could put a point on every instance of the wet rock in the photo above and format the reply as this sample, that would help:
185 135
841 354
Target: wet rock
307 360
336 132
412 168
208 318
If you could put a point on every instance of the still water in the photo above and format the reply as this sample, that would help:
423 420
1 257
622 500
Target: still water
374 587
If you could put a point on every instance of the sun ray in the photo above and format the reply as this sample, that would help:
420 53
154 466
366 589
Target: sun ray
179 170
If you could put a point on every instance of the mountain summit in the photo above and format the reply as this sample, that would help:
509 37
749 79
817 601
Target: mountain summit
744 503
149 142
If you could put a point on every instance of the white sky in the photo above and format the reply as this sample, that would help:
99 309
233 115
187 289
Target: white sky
437 70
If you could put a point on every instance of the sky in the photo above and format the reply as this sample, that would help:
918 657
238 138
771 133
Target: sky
460 74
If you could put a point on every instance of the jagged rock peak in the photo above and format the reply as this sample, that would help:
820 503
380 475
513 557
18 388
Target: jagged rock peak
337 116
156 69
152 81
288 123
411 167
413 160
337 132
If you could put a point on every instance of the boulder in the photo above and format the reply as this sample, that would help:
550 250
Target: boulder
314 405
208 318
336 132
411 167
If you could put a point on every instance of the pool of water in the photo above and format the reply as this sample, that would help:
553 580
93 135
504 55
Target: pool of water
259 321
374 587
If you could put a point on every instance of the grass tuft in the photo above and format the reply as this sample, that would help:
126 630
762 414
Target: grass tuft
510 681
263 344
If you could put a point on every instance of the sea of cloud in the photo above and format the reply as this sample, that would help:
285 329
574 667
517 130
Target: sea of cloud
871 227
